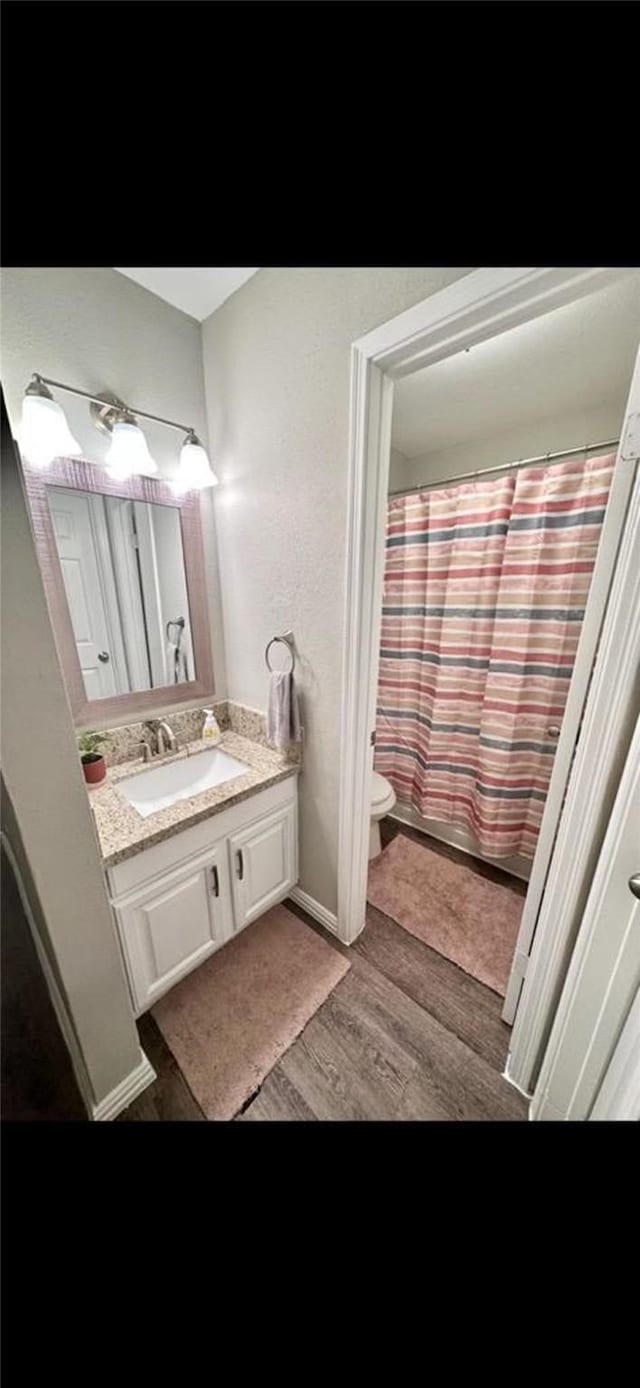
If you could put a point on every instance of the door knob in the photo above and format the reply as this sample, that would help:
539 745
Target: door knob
103 656
634 884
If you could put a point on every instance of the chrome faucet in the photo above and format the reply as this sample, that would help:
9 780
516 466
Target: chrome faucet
162 731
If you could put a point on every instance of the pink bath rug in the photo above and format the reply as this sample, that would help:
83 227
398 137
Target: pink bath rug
230 1020
472 921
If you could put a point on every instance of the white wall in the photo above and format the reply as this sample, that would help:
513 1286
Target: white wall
98 330
398 465
53 821
565 362
277 363
525 440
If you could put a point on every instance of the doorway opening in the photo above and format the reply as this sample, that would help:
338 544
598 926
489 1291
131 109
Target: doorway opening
496 502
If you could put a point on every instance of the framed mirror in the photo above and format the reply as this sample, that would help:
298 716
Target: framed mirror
123 569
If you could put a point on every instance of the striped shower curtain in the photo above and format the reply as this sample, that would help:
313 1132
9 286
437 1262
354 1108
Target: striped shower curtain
485 588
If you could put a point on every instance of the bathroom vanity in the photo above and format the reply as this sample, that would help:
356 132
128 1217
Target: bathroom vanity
196 842
185 879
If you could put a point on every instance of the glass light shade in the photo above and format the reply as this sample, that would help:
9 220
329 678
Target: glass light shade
44 433
128 452
195 469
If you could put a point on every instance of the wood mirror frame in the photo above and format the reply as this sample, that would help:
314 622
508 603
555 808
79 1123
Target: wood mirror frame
91 477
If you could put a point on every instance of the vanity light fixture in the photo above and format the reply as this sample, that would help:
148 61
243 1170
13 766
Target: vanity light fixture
195 469
45 435
128 452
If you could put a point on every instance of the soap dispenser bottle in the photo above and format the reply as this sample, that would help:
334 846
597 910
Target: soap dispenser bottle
211 730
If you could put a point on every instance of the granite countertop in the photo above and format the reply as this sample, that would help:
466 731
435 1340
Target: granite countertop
123 832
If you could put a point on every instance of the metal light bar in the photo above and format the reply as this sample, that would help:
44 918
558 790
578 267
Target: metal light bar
112 404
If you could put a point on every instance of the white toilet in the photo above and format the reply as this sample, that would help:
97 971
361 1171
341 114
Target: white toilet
383 799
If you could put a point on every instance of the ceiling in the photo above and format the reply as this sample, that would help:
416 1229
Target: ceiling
196 292
577 357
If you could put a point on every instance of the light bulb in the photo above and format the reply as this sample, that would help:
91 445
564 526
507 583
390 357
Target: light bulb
195 469
128 452
44 432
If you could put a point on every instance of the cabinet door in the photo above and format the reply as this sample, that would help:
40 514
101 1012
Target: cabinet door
263 864
171 927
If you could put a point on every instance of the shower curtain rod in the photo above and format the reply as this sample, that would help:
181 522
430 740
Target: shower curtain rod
504 467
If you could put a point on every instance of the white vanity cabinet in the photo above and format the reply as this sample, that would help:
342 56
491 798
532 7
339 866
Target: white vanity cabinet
261 857
178 901
171 925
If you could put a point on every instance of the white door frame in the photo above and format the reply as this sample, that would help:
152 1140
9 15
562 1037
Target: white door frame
602 980
599 589
607 725
477 307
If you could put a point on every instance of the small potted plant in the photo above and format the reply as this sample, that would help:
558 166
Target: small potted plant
93 762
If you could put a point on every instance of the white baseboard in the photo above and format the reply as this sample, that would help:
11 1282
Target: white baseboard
506 1076
543 1111
125 1092
315 909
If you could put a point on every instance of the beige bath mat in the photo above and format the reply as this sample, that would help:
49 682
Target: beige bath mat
472 921
229 1021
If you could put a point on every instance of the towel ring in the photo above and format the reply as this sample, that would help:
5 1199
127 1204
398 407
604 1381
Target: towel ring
286 641
177 622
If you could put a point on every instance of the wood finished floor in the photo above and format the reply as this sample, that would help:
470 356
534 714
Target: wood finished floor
405 1035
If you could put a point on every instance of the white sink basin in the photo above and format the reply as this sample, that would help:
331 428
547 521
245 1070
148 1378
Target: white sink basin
161 786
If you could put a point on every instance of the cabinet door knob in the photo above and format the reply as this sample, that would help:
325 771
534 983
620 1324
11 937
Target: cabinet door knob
103 656
554 730
240 865
634 884
215 881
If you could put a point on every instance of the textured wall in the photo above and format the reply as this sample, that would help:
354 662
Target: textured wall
544 435
97 330
44 780
276 361
398 470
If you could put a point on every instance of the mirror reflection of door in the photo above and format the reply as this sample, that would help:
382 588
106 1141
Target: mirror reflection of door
123 568
74 521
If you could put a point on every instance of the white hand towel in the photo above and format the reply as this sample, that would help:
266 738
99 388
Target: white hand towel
283 713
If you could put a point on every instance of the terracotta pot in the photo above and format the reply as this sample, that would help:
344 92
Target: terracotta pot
95 769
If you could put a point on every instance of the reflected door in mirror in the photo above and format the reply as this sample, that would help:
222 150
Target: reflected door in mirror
71 518
123 568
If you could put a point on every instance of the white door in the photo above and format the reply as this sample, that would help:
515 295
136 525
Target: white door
263 865
167 930
71 520
619 1094
620 492
126 576
604 976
